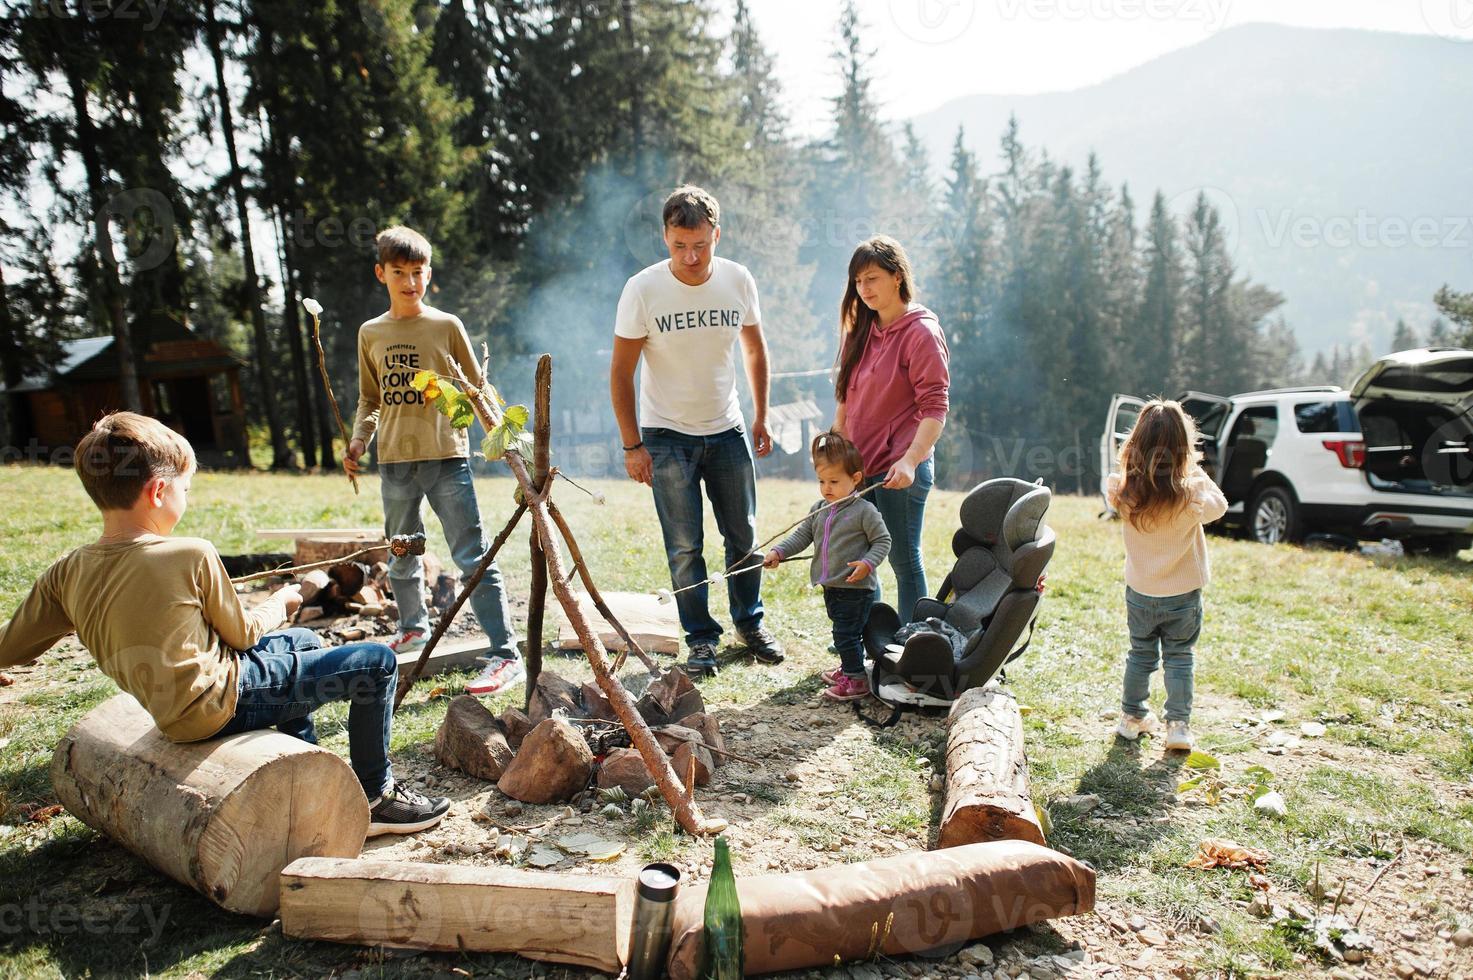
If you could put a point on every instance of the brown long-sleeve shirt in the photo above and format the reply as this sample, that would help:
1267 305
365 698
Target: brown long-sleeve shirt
390 353
161 618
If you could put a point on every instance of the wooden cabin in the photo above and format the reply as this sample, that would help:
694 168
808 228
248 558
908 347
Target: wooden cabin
189 383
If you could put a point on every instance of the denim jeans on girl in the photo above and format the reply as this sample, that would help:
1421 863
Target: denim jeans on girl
723 461
1163 631
447 484
848 611
903 511
288 675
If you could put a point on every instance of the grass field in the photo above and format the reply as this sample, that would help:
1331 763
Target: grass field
1374 648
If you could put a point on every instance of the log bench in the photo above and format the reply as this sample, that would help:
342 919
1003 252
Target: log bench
222 816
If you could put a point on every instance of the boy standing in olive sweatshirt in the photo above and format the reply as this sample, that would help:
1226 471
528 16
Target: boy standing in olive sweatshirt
420 455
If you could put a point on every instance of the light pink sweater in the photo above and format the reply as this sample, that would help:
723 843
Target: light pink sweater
1171 558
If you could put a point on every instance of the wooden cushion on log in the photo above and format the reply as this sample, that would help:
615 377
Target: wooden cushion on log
987 796
625 768
222 816
582 920
895 906
553 764
551 694
654 626
710 730
471 740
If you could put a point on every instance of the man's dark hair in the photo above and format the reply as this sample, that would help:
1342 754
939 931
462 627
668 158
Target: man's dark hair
688 206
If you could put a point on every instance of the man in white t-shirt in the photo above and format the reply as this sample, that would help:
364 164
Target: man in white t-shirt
685 316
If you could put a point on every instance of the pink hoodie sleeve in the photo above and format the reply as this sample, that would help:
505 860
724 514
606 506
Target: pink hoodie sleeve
930 372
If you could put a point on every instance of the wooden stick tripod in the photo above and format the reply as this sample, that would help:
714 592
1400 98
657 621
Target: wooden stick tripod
534 491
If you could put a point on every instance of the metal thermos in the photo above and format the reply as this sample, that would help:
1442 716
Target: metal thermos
653 908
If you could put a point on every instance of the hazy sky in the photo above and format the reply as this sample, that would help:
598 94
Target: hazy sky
928 51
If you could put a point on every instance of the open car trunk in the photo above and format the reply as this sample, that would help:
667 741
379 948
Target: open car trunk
1416 412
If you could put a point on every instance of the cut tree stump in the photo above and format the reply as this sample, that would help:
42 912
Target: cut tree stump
987 795
582 920
653 626
471 740
552 764
222 816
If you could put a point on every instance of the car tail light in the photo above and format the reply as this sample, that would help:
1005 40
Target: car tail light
1352 452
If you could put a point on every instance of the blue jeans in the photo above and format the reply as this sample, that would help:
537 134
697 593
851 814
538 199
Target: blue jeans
288 675
447 484
1163 631
724 463
848 611
903 511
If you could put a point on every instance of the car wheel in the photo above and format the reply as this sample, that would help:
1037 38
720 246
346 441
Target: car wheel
1274 516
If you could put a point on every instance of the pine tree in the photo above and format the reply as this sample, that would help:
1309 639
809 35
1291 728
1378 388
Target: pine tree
1403 337
1457 307
1157 339
1209 274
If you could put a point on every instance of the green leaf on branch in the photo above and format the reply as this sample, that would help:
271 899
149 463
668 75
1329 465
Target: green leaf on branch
494 445
463 413
517 415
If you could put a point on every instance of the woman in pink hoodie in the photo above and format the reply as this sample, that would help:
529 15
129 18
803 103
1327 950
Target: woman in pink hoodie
892 395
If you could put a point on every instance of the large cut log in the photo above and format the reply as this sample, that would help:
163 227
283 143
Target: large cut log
579 919
222 816
987 794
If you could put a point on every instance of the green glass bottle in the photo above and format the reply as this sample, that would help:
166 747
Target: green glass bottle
723 959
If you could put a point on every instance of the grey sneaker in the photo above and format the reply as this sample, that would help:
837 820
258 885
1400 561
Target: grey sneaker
702 661
763 646
1132 728
403 811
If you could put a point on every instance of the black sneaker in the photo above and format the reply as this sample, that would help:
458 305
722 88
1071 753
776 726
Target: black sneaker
403 811
702 661
762 645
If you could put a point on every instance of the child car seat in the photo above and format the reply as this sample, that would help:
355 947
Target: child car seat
994 591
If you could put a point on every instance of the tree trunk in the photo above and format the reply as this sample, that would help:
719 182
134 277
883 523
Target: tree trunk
281 454
987 795
12 370
222 816
130 397
537 601
292 315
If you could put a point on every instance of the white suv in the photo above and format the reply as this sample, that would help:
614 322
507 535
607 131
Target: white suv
1390 458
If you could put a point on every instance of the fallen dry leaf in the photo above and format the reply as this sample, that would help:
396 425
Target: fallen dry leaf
43 814
1215 852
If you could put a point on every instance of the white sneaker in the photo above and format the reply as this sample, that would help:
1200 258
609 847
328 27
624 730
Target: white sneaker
1132 728
1178 736
499 674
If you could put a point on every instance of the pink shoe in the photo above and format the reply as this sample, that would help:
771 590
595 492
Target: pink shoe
408 641
847 688
832 675
498 674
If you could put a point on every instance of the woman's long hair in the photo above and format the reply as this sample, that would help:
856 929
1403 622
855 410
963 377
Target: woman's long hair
1154 462
856 320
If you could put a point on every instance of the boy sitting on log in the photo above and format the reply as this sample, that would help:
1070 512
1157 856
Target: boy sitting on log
162 619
